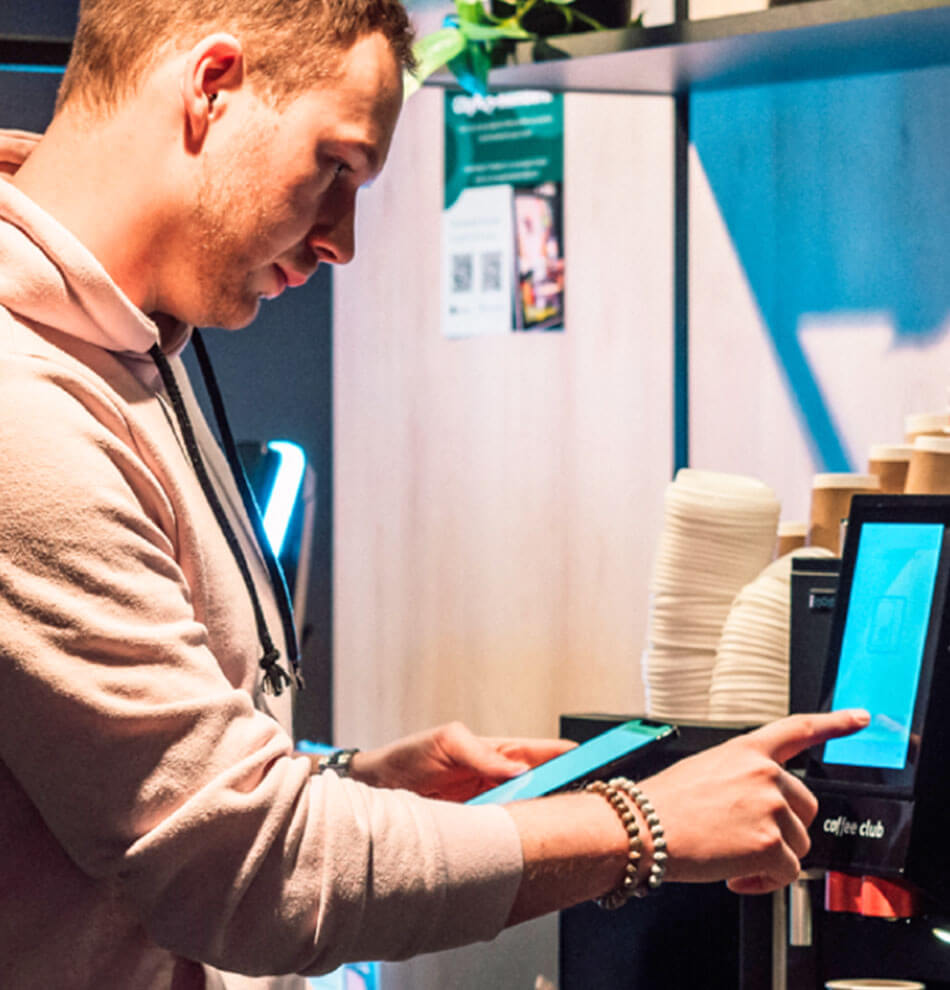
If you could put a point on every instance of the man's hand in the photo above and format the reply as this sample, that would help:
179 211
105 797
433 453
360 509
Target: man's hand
450 762
729 813
734 813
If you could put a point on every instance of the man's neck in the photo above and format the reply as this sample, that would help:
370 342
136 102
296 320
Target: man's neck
88 174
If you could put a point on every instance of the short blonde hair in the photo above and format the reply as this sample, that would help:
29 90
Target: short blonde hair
289 45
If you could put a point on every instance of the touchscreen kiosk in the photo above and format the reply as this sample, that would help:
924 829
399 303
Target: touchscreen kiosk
882 792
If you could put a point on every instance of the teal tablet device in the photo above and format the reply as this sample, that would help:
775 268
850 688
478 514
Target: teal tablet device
599 757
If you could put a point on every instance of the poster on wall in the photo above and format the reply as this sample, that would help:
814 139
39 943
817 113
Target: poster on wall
502 220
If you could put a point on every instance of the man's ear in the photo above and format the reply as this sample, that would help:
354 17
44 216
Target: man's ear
214 66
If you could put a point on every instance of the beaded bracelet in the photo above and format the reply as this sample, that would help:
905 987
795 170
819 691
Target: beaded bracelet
614 792
660 855
628 885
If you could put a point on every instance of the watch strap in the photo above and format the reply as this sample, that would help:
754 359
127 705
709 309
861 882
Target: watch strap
339 761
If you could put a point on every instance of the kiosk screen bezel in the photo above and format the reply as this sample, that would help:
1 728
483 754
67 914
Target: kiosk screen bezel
896 509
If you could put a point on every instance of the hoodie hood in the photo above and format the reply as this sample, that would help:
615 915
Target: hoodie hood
48 277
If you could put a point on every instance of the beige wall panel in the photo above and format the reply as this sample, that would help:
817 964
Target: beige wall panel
497 498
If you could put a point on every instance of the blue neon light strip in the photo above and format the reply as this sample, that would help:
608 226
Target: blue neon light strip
283 496
53 70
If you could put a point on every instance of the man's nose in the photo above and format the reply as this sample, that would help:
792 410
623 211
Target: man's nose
335 242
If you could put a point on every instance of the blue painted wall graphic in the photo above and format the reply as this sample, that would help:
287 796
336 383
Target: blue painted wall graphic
836 194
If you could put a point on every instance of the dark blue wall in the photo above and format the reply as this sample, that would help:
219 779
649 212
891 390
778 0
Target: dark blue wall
39 18
26 99
276 378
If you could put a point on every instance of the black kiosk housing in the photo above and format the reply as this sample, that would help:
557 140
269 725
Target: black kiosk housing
884 793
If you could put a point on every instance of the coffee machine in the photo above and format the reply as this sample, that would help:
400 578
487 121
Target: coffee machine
870 630
875 897
884 792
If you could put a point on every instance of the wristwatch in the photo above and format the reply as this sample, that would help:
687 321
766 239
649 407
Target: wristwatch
338 761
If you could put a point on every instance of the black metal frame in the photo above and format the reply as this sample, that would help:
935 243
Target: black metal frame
31 52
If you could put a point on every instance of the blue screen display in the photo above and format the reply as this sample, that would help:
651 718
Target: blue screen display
884 636
575 764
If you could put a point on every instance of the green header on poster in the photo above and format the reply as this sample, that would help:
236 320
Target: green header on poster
513 138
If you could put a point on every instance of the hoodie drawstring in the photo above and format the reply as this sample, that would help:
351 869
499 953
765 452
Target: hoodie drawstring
275 677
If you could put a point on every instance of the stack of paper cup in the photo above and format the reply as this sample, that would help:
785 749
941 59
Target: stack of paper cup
718 533
830 504
923 424
792 534
889 463
750 677
929 469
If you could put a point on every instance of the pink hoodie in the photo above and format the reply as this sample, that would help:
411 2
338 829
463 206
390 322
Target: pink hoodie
151 807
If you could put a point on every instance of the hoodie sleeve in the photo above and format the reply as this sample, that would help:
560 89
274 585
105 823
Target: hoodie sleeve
154 773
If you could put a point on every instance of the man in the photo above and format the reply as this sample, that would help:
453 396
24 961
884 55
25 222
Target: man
156 828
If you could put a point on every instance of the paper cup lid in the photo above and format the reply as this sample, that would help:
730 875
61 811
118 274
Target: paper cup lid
935 445
918 422
868 984
891 452
721 481
792 527
846 480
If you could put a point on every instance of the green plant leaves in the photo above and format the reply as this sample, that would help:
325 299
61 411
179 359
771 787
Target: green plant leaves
472 12
470 69
464 46
432 52
473 39
490 32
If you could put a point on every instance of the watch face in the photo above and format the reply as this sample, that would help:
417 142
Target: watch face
339 761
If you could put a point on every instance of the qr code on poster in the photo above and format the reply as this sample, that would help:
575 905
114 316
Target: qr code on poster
462 272
491 271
